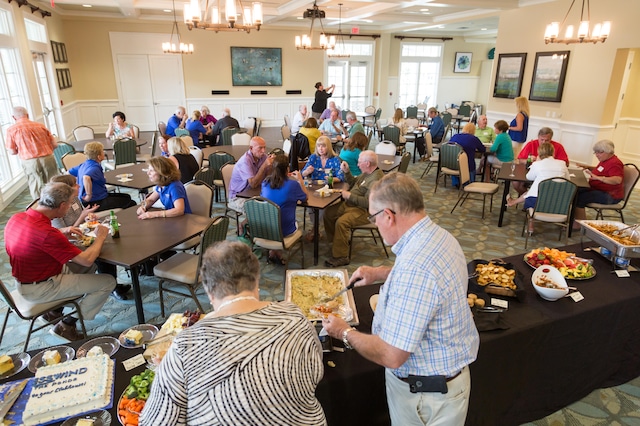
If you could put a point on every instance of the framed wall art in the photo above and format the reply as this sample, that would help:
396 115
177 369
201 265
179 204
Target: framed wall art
64 78
509 74
549 73
256 66
59 52
463 62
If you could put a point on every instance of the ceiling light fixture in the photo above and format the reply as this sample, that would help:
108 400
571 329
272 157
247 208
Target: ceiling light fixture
211 20
304 41
175 45
600 30
339 51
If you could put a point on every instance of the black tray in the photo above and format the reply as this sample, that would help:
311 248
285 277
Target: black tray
519 293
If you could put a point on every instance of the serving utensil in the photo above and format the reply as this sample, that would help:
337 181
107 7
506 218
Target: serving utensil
344 290
619 231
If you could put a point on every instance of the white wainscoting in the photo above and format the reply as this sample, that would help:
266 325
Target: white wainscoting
92 113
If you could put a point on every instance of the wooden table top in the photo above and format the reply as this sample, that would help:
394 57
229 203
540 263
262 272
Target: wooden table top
107 142
139 179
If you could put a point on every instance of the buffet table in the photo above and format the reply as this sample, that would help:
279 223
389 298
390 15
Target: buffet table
552 354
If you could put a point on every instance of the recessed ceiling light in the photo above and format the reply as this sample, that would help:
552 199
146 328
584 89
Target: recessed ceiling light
86 5
300 17
167 10
483 29
424 10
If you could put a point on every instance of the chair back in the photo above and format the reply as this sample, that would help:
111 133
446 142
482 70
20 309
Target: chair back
412 111
200 196
465 111
82 133
135 130
154 144
631 176
378 114
72 159
226 134
250 125
181 132
452 111
370 109
463 165
264 219
555 196
226 171
412 122
217 160
6 294
449 155
404 163
386 148
286 146
447 130
162 128
258 126
207 176
285 131
287 120
124 151
216 231
446 118
391 133
240 139
197 154
429 143
61 150
343 114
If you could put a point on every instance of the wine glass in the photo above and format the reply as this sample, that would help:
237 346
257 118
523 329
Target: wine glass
513 169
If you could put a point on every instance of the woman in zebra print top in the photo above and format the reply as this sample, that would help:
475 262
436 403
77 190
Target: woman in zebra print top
247 362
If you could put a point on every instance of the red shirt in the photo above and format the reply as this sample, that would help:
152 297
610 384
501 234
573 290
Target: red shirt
607 168
36 250
531 148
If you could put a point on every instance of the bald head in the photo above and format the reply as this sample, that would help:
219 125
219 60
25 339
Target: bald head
226 112
20 112
367 161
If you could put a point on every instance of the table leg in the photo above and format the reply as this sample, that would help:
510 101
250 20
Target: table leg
503 205
316 235
136 294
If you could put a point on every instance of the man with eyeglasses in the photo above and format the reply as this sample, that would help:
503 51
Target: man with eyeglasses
352 211
423 332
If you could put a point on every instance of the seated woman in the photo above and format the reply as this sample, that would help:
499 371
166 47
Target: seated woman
351 151
93 185
322 159
311 131
286 193
606 184
471 144
119 127
206 118
184 161
548 167
502 148
398 121
196 130
247 362
169 190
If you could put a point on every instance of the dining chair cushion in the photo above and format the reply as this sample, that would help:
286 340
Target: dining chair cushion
181 267
277 245
31 309
548 217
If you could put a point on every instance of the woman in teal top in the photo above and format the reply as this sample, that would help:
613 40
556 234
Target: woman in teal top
502 146
351 151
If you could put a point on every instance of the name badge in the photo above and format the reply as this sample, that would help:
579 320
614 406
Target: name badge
75 206
600 168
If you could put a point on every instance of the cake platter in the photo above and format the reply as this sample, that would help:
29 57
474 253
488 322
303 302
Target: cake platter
66 353
99 418
108 344
148 331
20 362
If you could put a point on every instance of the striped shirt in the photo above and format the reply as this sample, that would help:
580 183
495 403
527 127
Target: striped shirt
30 139
257 368
422 307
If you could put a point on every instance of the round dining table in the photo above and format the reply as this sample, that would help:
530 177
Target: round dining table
107 142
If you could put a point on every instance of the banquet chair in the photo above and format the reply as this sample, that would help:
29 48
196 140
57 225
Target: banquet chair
422 112
370 121
258 126
124 154
162 128
465 113
225 136
404 162
432 159
370 231
143 158
467 187
183 269
553 205
82 133
250 124
285 131
240 139
412 111
446 119
631 175
72 159
181 132
30 311
197 154
265 226
448 162
386 148
392 133
200 196
136 131
216 161
226 171
287 121
61 150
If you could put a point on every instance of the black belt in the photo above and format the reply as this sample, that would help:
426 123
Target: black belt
33 282
428 383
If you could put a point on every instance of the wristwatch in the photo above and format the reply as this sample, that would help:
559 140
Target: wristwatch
344 337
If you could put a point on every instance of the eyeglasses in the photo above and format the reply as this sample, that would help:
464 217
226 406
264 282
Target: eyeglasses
598 152
372 217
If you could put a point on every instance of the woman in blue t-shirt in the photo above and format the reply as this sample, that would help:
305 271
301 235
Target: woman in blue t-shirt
196 130
169 190
285 190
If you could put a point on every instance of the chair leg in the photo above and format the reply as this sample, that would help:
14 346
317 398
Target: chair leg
4 324
161 297
458 202
80 318
195 299
31 324
351 242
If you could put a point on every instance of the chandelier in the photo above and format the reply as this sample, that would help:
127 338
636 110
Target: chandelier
304 41
600 30
251 18
339 50
175 45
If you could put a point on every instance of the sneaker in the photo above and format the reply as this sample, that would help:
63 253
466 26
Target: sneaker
333 262
66 332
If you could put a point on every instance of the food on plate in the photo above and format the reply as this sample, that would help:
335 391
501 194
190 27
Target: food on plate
85 422
135 397
86 240
309 290
474 300
544 281
608 230
6 364
133 337
51 357
492 273
324 309
470 302
479 303
177 322
68 389
95 351
568 264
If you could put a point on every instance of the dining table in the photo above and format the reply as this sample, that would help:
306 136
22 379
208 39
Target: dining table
108 142
236 151
133 176
412 135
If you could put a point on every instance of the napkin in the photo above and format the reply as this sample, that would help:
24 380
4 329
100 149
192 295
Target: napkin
324 191
487 321
125 180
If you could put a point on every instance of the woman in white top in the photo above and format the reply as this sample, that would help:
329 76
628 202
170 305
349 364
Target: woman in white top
119 128
398 121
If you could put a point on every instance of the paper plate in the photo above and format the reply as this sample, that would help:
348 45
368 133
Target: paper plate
100 418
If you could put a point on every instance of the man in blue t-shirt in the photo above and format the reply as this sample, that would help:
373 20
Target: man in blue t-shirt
177 120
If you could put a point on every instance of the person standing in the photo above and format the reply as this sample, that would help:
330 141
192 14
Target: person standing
34 144
320 103
519 126
423 331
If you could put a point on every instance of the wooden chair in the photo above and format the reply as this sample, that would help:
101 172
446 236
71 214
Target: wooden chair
73 159
631 175
82 133
60 151
467 187
30 311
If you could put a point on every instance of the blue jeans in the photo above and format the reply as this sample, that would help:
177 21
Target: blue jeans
587 196
455 180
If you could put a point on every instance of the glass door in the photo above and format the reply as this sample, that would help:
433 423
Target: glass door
352 80
45 92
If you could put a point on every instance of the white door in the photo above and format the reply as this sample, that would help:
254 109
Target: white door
168 85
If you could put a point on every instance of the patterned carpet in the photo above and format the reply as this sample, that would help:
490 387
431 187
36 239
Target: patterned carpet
480 239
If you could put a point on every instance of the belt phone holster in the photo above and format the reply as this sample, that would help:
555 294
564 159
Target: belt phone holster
427 384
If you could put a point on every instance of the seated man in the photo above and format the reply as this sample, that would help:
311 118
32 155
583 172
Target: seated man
333 126
545 134
485 133
176 121
249 171
327 112
353 210
436 129
354 126
299 119
226 121
43 261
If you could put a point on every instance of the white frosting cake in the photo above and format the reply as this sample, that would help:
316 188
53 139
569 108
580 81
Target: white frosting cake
71 388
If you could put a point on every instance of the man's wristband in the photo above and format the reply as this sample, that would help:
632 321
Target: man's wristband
344 337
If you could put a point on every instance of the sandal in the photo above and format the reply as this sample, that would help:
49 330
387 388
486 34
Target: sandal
509 200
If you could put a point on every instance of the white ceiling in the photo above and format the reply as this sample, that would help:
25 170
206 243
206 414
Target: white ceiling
477 19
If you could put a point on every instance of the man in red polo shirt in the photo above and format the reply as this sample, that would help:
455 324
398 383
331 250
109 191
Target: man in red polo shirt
531 148
39 256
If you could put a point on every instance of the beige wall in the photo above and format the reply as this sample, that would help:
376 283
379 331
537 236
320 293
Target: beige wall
631 104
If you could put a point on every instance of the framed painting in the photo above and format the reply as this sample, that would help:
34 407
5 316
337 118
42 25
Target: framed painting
509 74
549 73
256 66
59 52
64 78
463 62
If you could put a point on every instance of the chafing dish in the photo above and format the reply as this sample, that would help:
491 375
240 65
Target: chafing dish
617 248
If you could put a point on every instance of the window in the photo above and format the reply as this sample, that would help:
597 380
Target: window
352 76
419 72
35 31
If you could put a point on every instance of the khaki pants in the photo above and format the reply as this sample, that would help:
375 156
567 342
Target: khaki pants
338 221
38 172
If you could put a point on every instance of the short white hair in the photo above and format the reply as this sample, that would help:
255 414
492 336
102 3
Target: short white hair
19 112
226 112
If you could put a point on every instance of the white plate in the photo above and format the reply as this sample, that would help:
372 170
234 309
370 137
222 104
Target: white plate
124 175
373 302
100 418
108 344
148 331
66 353
387 162
20 362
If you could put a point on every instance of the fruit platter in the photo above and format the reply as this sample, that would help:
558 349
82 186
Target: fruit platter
570 266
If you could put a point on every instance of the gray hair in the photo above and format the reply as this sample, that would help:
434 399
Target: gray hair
228 268
398 192
544 131
370 156
351 115
19 112
226 112
181 109
54 194
604 145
